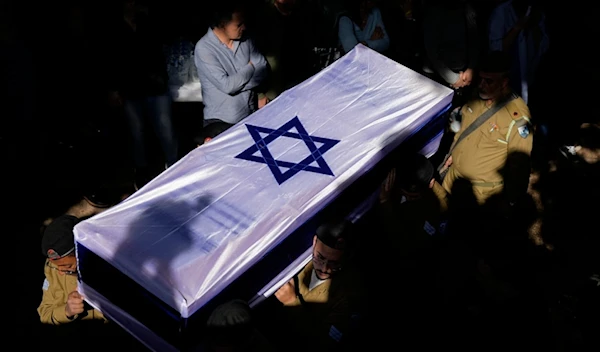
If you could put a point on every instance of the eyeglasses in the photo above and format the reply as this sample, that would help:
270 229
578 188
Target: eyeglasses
491 80
488 81
67 272
333 266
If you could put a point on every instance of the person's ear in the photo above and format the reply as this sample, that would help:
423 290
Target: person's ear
314 240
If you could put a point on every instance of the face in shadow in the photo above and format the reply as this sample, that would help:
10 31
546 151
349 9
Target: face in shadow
234 29
327 261
492 85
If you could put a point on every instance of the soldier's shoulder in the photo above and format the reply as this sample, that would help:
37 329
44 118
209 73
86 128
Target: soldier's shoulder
518 110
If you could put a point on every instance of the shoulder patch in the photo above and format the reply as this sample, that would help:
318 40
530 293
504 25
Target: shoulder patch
46 285
523 131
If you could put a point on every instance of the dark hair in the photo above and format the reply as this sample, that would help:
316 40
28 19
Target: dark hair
495 62
336 233
414 173
223 10
106 188
215 129
102 196
352 10
230 324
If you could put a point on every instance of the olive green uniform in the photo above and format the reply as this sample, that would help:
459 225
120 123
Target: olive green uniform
321 316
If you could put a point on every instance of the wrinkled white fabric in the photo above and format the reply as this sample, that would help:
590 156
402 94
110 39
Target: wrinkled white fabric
198 226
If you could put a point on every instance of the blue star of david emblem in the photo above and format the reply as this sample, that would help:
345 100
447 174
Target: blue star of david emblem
265 157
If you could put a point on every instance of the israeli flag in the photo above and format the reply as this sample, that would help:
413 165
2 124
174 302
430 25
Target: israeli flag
191 232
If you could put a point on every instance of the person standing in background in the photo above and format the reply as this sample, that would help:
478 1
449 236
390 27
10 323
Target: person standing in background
138 82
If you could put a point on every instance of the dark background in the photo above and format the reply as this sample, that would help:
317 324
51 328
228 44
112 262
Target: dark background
53 100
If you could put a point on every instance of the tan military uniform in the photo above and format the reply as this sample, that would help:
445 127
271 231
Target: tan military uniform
56 289
323 314
479 157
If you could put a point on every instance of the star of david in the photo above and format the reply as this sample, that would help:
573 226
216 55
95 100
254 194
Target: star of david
265 157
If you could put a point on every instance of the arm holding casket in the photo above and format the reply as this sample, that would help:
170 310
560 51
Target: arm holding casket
61 302
322 319
318 301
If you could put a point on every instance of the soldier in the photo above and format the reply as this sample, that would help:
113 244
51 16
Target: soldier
413 211
61 302
493 126
319 302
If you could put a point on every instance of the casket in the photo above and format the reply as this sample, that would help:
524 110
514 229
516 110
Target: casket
235 217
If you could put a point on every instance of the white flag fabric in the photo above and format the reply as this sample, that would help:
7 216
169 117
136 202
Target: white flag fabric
198 226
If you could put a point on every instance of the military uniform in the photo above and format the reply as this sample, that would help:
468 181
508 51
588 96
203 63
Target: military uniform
56 289
479 157
321 316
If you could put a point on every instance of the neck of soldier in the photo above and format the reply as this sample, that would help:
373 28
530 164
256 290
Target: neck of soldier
503 93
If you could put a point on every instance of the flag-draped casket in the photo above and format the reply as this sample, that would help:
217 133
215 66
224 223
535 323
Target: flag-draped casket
235 217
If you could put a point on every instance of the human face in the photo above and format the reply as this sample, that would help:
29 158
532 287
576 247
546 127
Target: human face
235 28
491 85
65 265
326 260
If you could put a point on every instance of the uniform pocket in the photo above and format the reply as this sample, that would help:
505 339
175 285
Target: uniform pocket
489 139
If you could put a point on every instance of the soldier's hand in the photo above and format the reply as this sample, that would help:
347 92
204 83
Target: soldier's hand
386 187
448 163
459 82
286 293
262 102
74 304
467 76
